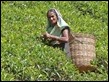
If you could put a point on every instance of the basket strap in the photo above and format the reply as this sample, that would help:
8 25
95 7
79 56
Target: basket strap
73 38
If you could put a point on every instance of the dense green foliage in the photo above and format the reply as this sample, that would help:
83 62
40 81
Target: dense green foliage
25 57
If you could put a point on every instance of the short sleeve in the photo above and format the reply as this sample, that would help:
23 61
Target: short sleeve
66 27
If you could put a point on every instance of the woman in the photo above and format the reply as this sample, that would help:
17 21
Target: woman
57 31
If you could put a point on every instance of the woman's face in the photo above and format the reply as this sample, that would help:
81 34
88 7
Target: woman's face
52 18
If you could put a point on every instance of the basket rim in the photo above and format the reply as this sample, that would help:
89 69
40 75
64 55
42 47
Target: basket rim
84 35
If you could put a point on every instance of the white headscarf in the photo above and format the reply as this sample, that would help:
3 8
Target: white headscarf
60 21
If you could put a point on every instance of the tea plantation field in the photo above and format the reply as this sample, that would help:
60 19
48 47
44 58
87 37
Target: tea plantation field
24 57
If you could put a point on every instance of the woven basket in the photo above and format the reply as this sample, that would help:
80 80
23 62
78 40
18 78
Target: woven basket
83 51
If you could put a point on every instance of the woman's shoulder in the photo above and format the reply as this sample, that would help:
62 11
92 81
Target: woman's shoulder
66 28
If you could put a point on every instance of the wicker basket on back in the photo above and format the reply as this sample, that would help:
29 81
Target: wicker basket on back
82 47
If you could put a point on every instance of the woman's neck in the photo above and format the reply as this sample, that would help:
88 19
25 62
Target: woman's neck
55 24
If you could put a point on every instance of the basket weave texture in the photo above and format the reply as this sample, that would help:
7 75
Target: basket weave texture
82 49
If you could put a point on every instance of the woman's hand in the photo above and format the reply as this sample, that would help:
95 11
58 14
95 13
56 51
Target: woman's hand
46 35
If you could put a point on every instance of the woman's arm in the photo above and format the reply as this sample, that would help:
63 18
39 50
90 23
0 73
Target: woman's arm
64 38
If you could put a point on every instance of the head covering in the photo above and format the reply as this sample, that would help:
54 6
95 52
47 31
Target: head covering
61 24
